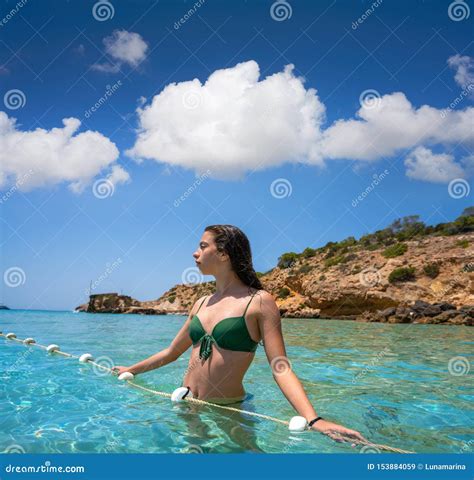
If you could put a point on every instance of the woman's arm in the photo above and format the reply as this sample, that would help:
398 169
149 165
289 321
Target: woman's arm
269 322
177 347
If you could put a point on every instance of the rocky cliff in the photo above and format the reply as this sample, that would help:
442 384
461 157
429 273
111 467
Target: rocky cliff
405 273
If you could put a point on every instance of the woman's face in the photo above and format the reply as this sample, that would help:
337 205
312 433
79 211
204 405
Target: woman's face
207 258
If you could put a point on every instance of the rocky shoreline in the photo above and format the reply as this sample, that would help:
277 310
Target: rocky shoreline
405 273
421 312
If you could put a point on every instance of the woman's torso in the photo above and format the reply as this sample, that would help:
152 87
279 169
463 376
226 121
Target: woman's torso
221 374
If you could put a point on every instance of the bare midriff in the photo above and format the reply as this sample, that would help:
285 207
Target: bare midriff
221 376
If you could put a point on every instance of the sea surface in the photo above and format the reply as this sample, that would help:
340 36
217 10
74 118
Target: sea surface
408 386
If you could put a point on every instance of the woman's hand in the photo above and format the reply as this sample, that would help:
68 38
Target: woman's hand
118 370
337 432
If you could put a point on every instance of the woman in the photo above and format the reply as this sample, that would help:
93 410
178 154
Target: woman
226 333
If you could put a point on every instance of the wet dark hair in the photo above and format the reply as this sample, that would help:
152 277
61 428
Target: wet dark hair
231 240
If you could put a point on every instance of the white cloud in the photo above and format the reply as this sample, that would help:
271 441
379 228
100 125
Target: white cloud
124 47
464 66
392 125
423 164
235 123
232 123
106 67
118 175
36 158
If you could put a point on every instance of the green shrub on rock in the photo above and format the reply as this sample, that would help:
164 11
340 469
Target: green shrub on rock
283 293
287 260
402 274
431 269
395 250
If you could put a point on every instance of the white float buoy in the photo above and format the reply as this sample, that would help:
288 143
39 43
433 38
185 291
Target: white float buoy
180 393
52 348
29 340
85 357
10 335
126 376
298 424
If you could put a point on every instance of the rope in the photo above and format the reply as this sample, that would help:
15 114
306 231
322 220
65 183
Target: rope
196 400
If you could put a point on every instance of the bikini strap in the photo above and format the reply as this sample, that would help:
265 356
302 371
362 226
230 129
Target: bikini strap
248 304
204 299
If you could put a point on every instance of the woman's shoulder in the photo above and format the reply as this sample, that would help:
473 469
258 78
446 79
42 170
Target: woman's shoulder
264 297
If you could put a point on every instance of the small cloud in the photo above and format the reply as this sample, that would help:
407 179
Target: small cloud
128 47
106 67
423 164
4 70
118 175
125 48
464 67
80 49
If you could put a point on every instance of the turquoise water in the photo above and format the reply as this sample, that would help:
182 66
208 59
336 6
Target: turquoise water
390 382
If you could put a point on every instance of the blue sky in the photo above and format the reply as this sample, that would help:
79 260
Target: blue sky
410 152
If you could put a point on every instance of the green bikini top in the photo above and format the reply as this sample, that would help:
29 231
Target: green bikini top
229 334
